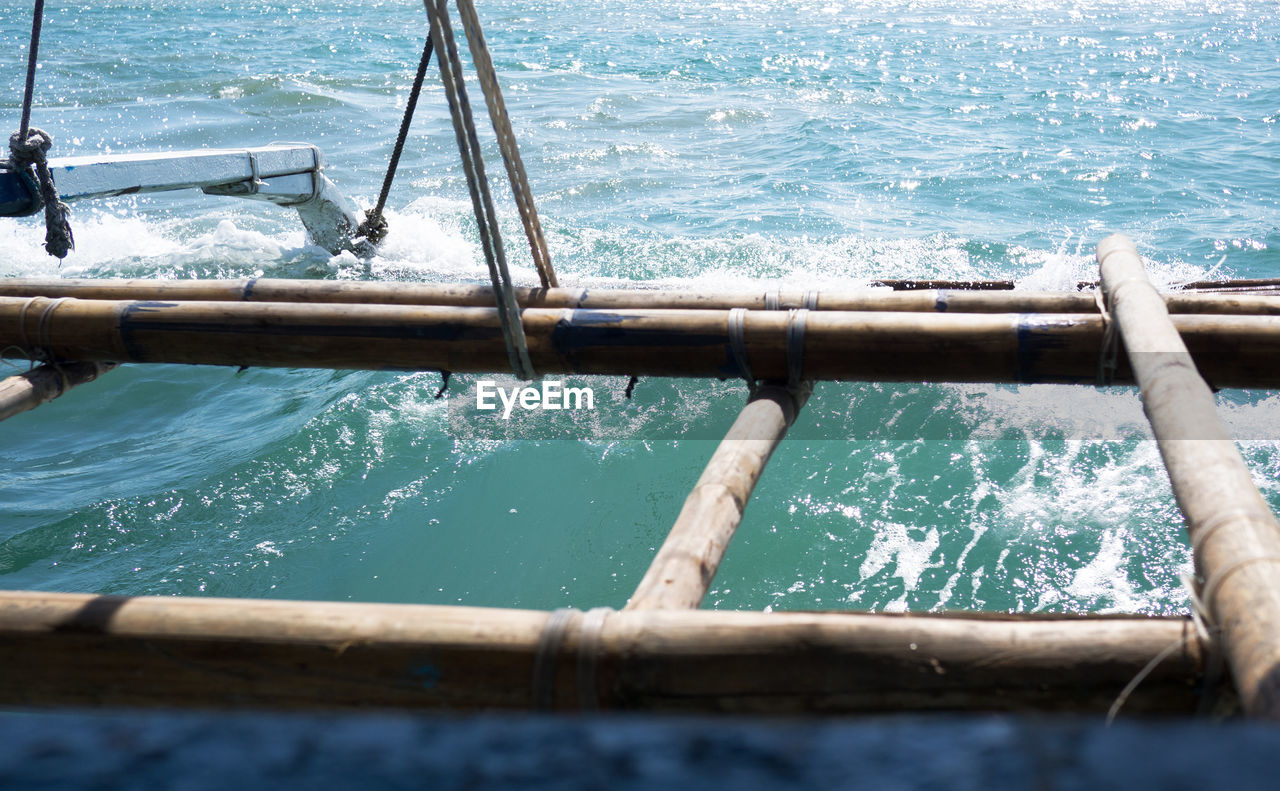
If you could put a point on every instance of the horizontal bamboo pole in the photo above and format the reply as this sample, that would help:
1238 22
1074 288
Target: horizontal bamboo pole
686 563
1270 284
26 391
1262 284
59 648
1234 535
1233 351
462 295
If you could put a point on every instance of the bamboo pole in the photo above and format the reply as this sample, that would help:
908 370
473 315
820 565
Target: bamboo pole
898 284
26 391
1268 284
79 649
1234 351
686 563
1234 536
463 295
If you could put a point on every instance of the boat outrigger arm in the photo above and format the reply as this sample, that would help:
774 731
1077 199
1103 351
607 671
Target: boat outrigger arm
286 175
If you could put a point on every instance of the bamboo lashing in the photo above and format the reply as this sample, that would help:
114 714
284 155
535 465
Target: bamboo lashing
374 293
1235 538
60 648
22 392
681 573
1234 351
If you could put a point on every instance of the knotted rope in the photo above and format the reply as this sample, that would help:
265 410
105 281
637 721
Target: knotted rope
30 149
29 146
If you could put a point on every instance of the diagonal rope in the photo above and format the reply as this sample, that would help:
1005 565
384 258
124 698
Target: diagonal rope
507 142
374 226
464 129
29 146
37 22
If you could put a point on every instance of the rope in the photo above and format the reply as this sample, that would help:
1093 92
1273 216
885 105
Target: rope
481 201
738 345
1110 350
507 142
551 643
38 351
374 225
4 353
1208 632
29 146
1214 583
1141 676
1200 533
42 328
544 660
795 347
1208 635
37 22
589 635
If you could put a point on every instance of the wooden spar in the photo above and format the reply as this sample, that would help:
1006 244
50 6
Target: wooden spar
686 563
1233 351
380 293
366 292
1238 304
1234 536
898 284
29 390
60 648
1270 284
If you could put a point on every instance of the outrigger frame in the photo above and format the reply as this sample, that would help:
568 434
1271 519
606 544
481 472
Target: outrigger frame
661 651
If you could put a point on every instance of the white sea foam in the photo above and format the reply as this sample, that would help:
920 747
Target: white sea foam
910 550
101 237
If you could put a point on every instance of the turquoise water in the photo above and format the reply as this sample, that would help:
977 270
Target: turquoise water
729 145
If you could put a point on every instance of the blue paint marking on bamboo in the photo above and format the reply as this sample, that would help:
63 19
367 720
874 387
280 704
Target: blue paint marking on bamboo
127 326
247 295
1033 342
147 306
940 304
597 329
428 675
584 329
130 321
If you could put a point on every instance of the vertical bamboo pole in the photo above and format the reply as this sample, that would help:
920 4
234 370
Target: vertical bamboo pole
1234 535
31 389
686 563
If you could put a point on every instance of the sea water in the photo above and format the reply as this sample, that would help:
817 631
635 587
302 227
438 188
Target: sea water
731 146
